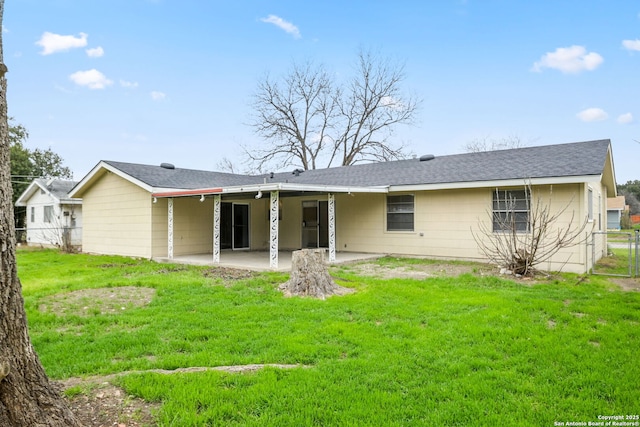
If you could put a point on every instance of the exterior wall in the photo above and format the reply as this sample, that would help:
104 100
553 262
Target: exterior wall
613 219
117 218
120 218
259 226
192 226
160 228
40 232
597 245
444 222
290 226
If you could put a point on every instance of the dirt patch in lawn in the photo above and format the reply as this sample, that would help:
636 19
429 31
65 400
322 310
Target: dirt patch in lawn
86 302
105 405
418 271
627 284
227 273
98 403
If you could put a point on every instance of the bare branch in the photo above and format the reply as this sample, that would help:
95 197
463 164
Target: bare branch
507 244
491 144
308 120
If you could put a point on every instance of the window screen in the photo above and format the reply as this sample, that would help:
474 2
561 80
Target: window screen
511 210
400 213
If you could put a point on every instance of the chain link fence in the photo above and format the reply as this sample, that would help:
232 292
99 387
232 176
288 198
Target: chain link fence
627 241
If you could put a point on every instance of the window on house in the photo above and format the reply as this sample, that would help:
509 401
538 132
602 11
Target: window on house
48 214
511 210
33 214
590 204
400 213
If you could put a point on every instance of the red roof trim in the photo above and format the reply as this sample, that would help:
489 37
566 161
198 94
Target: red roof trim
181 193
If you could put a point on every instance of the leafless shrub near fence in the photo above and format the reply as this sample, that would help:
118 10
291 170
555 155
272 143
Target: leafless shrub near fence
520 251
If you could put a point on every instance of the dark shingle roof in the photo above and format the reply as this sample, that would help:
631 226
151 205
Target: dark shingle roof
59 188
159 177
561 160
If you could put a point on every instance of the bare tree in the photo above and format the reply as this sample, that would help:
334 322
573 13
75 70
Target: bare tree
309 120
492 144
27 398
519 242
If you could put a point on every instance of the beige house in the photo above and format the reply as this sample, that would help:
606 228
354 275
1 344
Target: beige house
426 206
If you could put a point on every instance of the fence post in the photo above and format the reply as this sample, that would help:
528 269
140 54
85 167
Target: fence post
637 253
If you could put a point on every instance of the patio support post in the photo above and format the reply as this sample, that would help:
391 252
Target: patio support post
332 227
216 228
170 228
273 229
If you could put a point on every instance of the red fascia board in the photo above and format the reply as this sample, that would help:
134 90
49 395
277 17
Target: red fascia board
183 193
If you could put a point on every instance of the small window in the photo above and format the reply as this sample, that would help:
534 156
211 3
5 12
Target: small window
511 210
33 214
400 213
48 214
590 204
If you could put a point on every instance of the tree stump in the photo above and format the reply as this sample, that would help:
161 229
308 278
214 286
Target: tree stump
310 276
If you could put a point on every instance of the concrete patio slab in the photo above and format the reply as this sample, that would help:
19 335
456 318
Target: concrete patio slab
259 260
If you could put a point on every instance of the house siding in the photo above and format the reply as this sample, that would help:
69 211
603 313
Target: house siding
159 228
445 222
117 218
44 233
193 226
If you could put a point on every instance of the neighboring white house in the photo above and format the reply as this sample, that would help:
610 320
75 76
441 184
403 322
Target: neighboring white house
52 217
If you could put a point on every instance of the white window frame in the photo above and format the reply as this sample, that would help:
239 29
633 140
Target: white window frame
398 206
48 214
504 201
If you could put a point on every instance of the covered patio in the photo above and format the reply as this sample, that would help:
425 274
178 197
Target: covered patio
260 260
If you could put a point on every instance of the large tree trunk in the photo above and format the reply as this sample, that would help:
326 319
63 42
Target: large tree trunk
310 276
27 398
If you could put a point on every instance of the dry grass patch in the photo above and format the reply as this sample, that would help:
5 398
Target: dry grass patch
86 302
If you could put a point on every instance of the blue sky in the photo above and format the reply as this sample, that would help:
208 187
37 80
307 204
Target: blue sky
153 81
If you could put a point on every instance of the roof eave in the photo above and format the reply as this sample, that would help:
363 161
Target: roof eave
255 188
89 178
496 183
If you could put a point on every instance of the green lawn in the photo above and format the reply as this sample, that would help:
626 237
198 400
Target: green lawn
467 350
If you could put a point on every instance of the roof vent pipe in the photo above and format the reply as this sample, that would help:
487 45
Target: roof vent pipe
167 166
427 157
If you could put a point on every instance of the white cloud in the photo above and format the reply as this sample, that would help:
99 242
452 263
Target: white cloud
282 24
95 52
93 79
130 85
158 96
592 115
52 43
625 118
631 44
569 60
